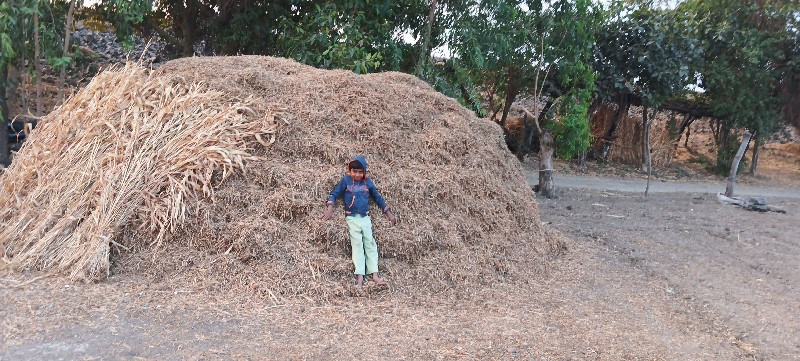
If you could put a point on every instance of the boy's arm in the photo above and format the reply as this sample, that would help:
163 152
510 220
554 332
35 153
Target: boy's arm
380 201
373 191
337 192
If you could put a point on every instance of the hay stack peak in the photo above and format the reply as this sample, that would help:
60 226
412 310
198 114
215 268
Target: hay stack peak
466 214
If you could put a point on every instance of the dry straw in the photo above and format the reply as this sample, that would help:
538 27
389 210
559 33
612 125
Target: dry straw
128 149
466 214
627 147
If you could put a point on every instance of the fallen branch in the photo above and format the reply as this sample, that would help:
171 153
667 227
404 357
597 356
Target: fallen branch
752 204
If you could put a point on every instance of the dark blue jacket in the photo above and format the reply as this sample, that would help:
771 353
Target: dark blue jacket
356 194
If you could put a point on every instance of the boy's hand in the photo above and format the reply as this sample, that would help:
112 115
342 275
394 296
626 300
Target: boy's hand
326 216
391 218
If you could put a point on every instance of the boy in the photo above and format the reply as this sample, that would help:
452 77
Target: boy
356 189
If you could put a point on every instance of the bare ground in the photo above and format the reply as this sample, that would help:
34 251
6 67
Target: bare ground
671 276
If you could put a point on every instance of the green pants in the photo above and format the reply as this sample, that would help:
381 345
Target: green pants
365 250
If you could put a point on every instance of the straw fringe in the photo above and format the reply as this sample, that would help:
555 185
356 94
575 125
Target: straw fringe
130 147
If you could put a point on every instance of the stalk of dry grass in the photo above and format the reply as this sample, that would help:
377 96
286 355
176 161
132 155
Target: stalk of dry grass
129 148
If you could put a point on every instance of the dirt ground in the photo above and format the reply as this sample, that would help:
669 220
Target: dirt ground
674 276
671 276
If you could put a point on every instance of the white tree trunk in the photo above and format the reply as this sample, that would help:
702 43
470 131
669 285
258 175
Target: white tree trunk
647 159
546 187
735 164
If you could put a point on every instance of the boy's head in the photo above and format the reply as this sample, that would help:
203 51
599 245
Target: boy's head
356 170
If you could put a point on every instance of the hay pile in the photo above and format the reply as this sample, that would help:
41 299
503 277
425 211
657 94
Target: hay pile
128 149
466 214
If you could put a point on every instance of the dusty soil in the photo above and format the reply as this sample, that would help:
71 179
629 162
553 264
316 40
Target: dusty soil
734 270
671 276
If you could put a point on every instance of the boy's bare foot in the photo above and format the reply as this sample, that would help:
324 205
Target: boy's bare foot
378 279
359 281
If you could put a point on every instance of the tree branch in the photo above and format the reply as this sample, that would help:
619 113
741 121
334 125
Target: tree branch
161 32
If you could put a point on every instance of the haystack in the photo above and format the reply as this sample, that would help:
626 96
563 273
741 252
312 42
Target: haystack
150 181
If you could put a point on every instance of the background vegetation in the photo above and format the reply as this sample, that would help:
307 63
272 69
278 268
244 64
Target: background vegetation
736 61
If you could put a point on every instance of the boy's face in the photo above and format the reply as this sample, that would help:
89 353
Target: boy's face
357 174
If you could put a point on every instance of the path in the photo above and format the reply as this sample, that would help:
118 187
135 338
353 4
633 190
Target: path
632 185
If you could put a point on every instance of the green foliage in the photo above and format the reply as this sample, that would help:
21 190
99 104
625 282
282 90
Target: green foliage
17 34
453 79
499 42
538 48
748 55
126 16
10 16
646 52
351 36
16 28
574 75
703 160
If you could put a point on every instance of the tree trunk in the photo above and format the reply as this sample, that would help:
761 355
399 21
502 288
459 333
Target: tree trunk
735 164
688 133
646 156
582 159
716 129
21 80
622 111
546 187
67 30
423 54
37 64
645 140
757 144
522 147
511 95
4 156
188 27
723 148
685 124
531 129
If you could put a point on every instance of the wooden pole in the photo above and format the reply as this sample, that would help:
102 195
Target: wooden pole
735 165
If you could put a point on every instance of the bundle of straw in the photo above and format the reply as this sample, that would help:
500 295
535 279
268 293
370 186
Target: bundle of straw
129 148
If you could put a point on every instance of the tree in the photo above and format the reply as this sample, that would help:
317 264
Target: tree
644 56
423 54
748 60
19 23
496 39
565 131
541 49
67 32
357 35
37 59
